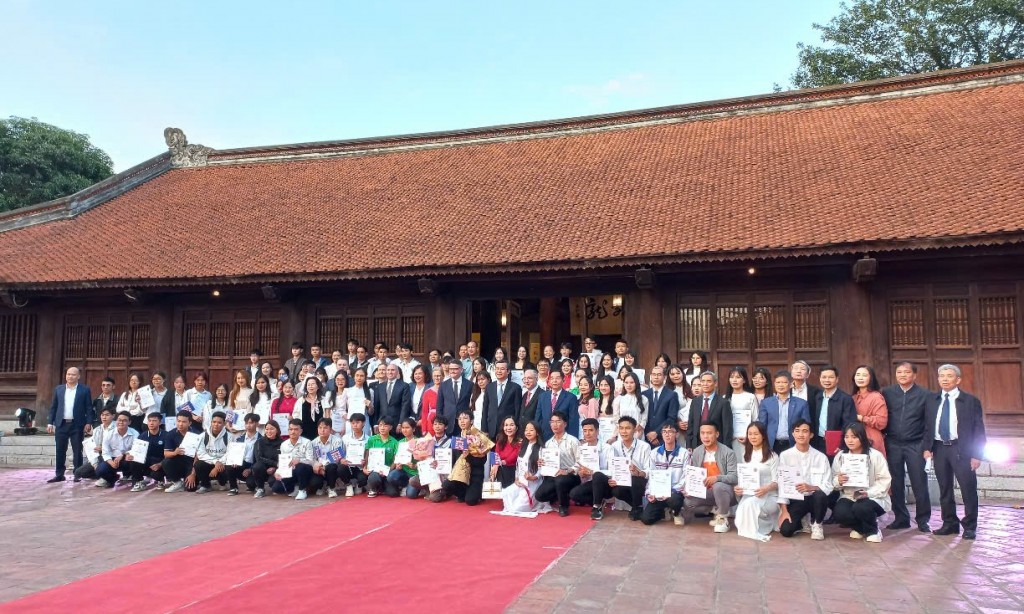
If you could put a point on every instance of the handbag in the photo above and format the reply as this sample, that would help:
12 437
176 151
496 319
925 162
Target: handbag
492 490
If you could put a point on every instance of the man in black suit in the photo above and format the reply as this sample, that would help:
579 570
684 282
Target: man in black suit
254 366
663 403
393 399
907 403
454 396
801 371
834 408
709 407
70 420
502 399
954 437
528 406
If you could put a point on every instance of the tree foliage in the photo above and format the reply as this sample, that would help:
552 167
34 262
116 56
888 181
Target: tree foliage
874 39
40 162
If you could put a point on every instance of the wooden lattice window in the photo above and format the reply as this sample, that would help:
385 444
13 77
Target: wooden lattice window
998 320
694 329
906 323
414 332
385 330
195 340
18 343
810 326
96 344
733 327
770 327
951 322
359 329
332 333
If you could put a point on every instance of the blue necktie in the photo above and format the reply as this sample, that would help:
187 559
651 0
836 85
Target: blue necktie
944 419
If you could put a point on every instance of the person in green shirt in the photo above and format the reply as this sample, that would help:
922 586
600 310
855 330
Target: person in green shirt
404 475
375 481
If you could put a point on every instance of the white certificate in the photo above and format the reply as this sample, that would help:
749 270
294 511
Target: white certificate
516 376
404 454
190 443
740 422
427 473
789 477
606 429
619 466
642 374
354 452
551 461
282 423
375 461
749 477
284 465
139 450
694 482
660 483
170 423
235 455
240 419
338 419
146 397
90 452
855 467
443 456
590 458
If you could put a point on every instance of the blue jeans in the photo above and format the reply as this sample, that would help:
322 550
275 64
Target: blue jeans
399 480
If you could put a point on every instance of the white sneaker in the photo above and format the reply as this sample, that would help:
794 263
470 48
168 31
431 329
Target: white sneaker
349 491
855 535
817 532
175 487
259 494
101 483
677 520
331 493
722 525
874 538
302 494
138 487
371 493
201 490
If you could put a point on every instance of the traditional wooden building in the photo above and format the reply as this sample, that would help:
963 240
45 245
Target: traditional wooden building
869 223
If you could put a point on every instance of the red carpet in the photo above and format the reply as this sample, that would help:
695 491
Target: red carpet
356 555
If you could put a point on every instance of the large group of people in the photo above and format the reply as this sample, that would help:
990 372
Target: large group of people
771 452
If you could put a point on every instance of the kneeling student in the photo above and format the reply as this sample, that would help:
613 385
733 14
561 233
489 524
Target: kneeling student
293 448
583 494
95 441
316 470
375 480
149 466
356 433
816 486
115 446
264 455
177 466
210 458
249 437
638 452
720 463
671 457
859 507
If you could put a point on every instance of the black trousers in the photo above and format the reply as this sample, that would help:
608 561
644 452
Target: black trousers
308 480
203 470
86 471
655 510
909 454
142 470
471 493
949 464
816 504
259 474
634 493
506 475
557 489
235 474
582 493
138 423
177 467
861 516
63 432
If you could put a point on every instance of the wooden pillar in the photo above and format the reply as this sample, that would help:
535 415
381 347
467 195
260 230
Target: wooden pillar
548 321
49 370
852 335
643 325
293 328
441 328
166 346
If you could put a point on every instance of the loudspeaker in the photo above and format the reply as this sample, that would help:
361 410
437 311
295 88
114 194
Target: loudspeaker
427 285
865 269
644 279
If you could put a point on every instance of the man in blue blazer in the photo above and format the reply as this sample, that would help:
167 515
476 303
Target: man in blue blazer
555 399
663 403
393 398
454 396
70 419
785 406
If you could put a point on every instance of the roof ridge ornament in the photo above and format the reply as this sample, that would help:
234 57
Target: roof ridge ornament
184 155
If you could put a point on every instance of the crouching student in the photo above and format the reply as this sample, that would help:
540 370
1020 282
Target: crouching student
355 462
95 442
556 489
150 465
718 495
293 450
376 479
177 466
317 471
757 512
860 506
210 457
638 453
583 493
815 485
249 437
115 446
264 457
466 482
519 496
441 442
404 476
671 457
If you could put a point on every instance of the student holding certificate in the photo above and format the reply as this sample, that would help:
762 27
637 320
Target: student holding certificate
115 446
466 481
758 510
811 492
519 496
264 457
375 480
93 445
355 441
404 478
592 457
744 407
565 477
862 475
317 471
717 494
442 450
210 457
670 457
631 484
293 450
149 465
177 463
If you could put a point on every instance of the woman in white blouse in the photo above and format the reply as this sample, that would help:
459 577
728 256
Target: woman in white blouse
741 400
358 398
129 402
758 512
238 400
476 399
860 505
632 403
420 384
261 397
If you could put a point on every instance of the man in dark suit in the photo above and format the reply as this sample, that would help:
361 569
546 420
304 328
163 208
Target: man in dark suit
70 420
954 437
780 412
556 399
254 366
296 360
709 407
835 408
528 406
800 371
454 396
106 400
393 399
502 399
663 403
907 403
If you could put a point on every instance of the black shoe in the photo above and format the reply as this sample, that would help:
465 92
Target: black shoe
924 528
634 514
563 510
968 534
56 478
596 513
947 530
77 480
895 526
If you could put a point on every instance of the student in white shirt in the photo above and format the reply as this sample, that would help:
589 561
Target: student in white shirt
673 457
757 512
261 398
816 486
116 445
741 399
442 441
249 437
316 471
638 452
405 360
294 448
859 507
355 482
94 442
632 403
129 402
583 494
210 457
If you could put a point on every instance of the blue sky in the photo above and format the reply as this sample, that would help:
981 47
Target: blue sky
236 74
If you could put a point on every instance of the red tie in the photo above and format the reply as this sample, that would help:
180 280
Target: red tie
704 414
527 400
554 399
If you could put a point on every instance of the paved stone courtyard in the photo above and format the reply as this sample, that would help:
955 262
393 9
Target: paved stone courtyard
58 533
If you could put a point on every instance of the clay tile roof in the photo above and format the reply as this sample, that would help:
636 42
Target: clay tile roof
845 175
